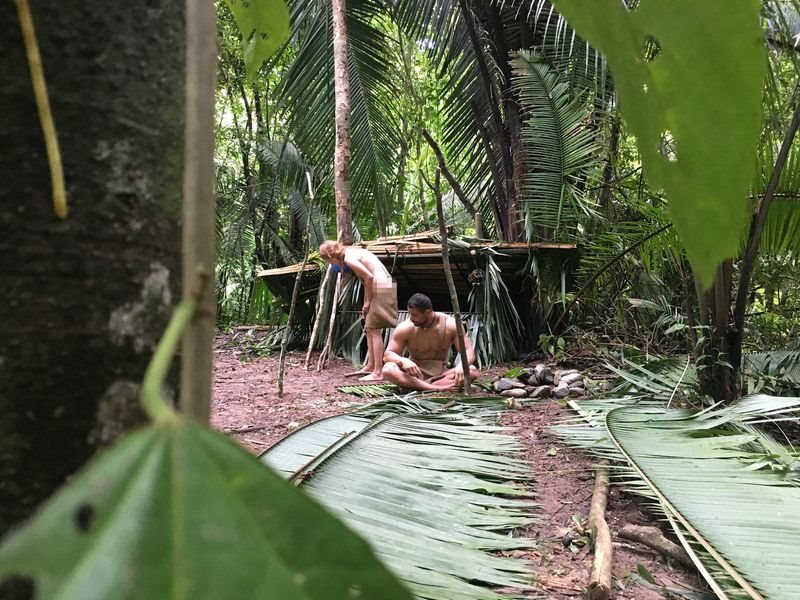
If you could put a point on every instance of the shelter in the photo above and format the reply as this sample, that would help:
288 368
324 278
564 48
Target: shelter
415 262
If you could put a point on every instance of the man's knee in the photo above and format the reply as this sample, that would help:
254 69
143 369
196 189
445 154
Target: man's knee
391 371
473 372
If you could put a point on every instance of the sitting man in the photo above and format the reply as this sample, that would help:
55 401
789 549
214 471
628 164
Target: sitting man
428 335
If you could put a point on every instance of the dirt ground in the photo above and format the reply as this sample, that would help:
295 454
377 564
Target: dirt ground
248 408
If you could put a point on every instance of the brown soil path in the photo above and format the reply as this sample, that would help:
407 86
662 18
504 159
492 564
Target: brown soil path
247 407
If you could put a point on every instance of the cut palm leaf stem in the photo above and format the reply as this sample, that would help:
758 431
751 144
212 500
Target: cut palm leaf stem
323 289
693 556
288 330
684 522
600 581
323 356
43 106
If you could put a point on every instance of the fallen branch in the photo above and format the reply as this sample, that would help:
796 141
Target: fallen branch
653 538
246 429
600 581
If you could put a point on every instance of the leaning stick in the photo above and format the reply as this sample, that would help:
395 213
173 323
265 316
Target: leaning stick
323 291
600 582
462 349
296 290
326 350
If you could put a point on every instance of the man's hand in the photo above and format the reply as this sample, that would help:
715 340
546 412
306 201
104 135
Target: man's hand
410 367
458 376
365 310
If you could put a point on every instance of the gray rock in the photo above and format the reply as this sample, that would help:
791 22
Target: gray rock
543 391
556 378
561 391
578 383
514 393
569 372
539 370
529 388
571 378
575 392
518 384
496 378
547 378
524 374
533 380
503 384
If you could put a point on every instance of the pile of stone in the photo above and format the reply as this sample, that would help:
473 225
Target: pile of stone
540 381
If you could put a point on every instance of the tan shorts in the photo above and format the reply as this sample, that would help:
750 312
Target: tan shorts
383 308
431 369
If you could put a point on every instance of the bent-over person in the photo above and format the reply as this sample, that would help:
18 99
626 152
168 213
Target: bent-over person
428 336
380 299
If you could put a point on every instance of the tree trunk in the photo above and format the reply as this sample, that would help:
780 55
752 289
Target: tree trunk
85 298
341 157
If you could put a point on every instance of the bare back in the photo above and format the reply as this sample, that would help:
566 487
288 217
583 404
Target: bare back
367 260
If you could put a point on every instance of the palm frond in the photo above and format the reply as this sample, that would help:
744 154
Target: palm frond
561 150
711 480
382 475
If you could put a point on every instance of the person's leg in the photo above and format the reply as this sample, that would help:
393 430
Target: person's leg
391 372
447 380
375 352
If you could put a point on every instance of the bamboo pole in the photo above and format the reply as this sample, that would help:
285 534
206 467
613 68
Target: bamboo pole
323 291
450 284
600 582
323 356
296 290
197 357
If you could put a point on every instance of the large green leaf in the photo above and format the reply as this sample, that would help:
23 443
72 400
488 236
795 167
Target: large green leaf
689 76
178 511
430 492
264 25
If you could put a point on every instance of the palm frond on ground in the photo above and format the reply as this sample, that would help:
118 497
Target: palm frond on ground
726 486
429 492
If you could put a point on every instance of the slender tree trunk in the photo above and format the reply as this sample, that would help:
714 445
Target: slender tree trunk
342 151
85 299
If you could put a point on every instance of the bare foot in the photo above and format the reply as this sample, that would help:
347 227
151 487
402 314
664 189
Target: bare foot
363 371
372 378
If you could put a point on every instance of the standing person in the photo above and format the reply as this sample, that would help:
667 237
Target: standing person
428 335
380 299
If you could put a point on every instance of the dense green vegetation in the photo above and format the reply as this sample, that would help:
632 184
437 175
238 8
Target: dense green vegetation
528 118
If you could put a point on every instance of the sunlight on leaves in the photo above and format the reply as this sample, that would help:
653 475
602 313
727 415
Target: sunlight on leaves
179 511
264 25
690 90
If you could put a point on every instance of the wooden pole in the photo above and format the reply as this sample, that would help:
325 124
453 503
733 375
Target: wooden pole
296 290
197 357
600 582
326 350
450 284
323 291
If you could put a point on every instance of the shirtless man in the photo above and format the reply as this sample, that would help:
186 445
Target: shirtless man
380 299
428 335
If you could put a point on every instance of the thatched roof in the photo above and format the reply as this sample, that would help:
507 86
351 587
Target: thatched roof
415 262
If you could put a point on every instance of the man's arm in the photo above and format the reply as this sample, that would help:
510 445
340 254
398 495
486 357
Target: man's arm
394 352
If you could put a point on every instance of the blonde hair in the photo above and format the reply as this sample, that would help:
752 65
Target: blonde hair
331 249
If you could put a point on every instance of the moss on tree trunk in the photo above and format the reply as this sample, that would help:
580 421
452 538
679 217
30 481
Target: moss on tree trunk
84 299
